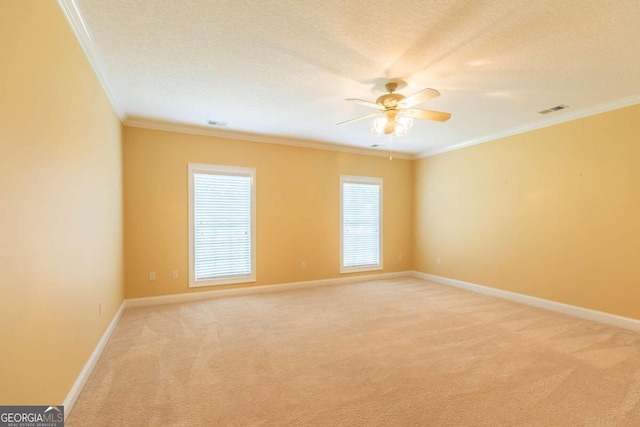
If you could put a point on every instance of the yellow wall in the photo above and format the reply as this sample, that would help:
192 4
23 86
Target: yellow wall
297 207
60 205
553 213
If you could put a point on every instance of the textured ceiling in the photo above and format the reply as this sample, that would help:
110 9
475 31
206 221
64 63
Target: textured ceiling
282 68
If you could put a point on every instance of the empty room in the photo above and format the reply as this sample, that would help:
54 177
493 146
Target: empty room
303 213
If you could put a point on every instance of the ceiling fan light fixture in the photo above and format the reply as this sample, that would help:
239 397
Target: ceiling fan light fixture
400 126
379 123
400 130
406 122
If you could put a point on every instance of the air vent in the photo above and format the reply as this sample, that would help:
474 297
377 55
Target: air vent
553 109
217 123
375 145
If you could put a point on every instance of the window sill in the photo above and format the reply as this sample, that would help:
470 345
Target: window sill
348 270
220 282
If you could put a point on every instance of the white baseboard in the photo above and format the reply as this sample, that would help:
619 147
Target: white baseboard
572 310
253 290
584 313
73 394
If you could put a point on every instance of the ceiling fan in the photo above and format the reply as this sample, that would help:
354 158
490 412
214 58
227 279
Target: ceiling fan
395 115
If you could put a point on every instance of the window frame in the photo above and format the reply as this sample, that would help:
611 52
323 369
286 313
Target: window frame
198 168
361 180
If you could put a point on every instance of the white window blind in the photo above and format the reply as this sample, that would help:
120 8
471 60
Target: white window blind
361 223
222 225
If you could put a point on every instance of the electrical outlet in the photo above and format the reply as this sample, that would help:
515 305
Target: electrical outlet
400 257
152 275
438 260
303 264
175 274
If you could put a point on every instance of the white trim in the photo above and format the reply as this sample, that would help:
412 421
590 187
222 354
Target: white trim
253 137
361 269
86 371
255 290
571 310
194 168
72 13
566 116
70 9
362 180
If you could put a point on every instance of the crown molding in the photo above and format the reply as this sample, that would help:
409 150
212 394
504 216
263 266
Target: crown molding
79 28
253 137
566 117
547 122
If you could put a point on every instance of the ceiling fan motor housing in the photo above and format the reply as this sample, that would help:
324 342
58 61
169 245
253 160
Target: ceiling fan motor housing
390 100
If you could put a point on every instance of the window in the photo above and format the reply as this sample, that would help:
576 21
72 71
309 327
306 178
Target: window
361 223
221 225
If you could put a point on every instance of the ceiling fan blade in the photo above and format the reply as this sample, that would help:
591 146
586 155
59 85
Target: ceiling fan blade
438 116
365 103
358 118
419 97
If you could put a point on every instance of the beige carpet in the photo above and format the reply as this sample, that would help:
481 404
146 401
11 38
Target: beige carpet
385 353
